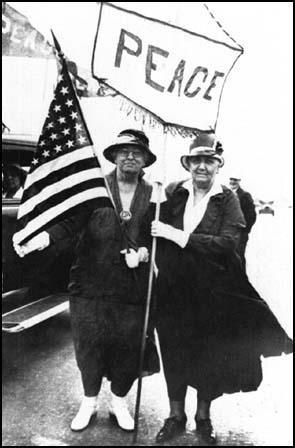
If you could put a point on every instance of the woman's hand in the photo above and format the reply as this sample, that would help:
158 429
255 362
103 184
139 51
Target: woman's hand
39 242
133 257
159 229
143 255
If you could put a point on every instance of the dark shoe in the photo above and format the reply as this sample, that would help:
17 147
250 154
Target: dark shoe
206 431
172 427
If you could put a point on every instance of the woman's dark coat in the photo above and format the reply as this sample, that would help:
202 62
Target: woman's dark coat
212 324
99 269
99 274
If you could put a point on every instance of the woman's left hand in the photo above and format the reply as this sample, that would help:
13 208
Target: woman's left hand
159 229
179 237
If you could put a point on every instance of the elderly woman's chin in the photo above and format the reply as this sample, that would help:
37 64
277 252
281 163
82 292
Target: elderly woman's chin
202 181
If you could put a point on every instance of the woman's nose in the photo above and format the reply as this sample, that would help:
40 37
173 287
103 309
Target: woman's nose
202 165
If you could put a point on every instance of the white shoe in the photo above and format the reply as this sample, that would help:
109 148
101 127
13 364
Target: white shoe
119 412
86 411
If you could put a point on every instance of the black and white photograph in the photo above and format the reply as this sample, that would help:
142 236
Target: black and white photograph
147 214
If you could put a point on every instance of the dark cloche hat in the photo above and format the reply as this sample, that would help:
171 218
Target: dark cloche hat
130 137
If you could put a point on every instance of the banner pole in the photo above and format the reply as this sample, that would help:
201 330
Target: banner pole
159 186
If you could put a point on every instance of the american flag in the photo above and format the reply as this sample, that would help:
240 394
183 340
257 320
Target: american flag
64 172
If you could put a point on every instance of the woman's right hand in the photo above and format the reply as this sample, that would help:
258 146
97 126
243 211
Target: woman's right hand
131 258
39 242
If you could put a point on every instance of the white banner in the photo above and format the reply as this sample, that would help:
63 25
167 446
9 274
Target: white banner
175 73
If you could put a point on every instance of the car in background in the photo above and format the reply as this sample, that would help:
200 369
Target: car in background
265 207
34 288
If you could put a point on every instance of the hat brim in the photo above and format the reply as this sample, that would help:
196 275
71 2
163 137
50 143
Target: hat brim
183 160
112 149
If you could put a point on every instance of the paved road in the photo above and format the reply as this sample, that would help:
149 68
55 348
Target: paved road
41 384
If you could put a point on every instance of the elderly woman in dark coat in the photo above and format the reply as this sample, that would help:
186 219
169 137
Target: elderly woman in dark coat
108 282
212 324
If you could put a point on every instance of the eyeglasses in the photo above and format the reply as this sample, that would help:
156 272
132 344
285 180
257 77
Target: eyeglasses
135 152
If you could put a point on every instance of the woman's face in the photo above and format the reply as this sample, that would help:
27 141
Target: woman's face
130 159
203 170
13 180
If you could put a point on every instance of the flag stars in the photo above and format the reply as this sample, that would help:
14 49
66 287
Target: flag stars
62 120
60 78
81 139
57 149
78 127
53 136
64 90
74 115
57 108
66 131
50 125
69 103
34 161
42 143
45 153
70 143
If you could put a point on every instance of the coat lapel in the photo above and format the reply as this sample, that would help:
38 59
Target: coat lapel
179 200
212 214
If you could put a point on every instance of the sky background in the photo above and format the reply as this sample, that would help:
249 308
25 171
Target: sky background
255 119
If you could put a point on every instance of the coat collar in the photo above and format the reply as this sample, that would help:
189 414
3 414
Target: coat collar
215 189
181 192
141 195
179 199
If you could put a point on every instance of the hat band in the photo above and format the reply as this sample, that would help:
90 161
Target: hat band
202 150
127 139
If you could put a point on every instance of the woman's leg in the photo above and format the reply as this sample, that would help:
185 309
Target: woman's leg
174 371
175 423
176 400
203 409
86 411
203 422
119 412
88 351
89 342
118 409
177 409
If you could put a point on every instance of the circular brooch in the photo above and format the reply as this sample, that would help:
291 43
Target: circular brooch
125 215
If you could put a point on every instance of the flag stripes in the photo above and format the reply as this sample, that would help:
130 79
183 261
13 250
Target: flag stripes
65 177
96 202
62 161
33 227
65 173
60 196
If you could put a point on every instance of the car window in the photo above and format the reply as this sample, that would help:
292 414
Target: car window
19 153
19 156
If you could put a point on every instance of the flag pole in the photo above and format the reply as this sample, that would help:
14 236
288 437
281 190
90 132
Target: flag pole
159 186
